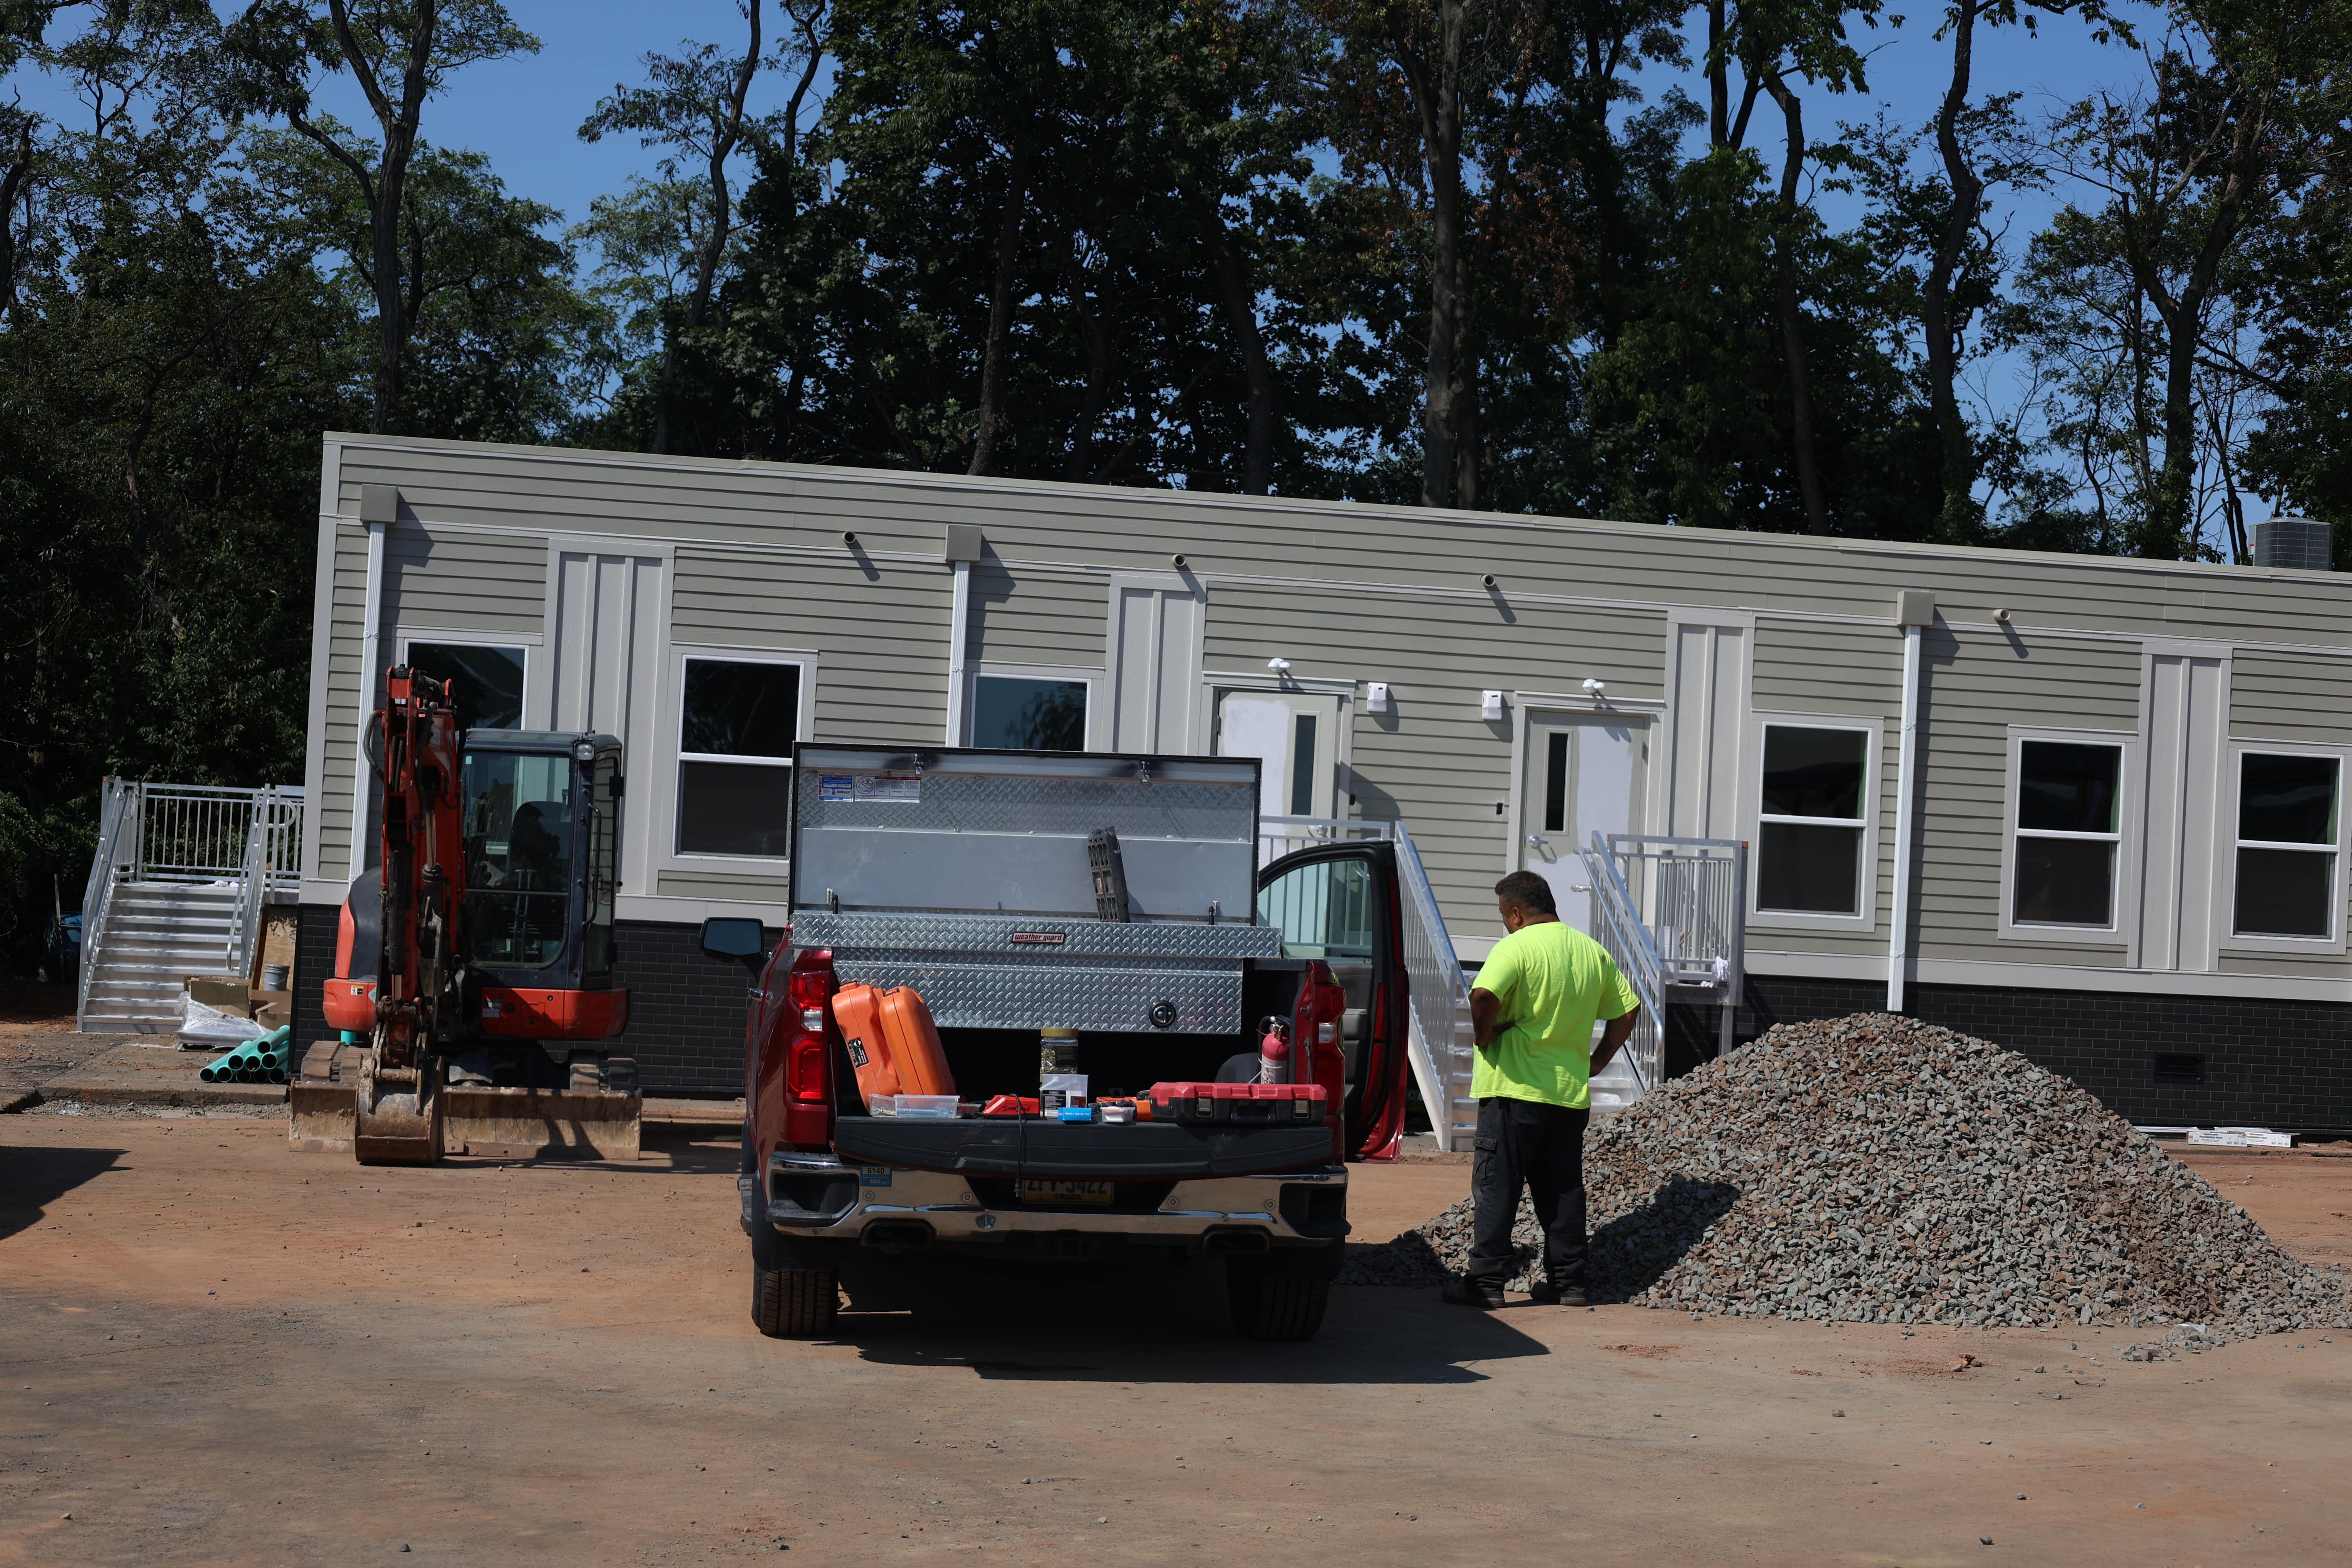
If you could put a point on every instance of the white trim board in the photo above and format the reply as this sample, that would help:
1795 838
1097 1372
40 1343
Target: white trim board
1871 968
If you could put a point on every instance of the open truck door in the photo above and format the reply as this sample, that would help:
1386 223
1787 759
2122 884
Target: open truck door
1342 904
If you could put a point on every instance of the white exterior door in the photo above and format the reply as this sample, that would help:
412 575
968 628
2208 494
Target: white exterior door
1295 735
1584 773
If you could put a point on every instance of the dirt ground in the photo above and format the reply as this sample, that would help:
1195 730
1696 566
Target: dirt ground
217 1351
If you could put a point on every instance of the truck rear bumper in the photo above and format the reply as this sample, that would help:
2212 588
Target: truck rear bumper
894 1207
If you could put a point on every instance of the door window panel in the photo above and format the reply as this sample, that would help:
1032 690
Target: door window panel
2286 846
2063 851
1811 819
736 728
1302 767
518 840
1018 713
1324 910
489 682
1555 814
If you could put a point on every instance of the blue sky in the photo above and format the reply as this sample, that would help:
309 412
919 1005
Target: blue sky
526 113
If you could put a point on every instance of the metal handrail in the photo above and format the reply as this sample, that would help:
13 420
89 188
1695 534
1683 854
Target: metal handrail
1437 999
1622 935
116 806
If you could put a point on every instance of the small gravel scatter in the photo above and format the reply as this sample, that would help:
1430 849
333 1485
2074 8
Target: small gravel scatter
1875 1169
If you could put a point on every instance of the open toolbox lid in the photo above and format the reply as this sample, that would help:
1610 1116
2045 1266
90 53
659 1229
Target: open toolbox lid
964 831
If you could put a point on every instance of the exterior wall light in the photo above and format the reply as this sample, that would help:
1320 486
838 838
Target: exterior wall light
1593 688
1376 697
1278 664
1490 705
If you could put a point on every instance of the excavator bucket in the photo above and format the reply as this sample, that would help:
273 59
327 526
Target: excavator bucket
396 1114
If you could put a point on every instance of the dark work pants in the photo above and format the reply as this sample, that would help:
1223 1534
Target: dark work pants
1523 1144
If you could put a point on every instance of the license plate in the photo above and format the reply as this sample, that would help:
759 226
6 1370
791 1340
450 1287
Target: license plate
1066 1193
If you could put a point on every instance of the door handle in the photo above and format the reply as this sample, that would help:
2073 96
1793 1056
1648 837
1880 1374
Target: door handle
1535 841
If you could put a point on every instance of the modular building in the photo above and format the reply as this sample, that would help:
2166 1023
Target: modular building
2118 844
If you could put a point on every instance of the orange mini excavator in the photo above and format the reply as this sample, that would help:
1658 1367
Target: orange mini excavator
473 987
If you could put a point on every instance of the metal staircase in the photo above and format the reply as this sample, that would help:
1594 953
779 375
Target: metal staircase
1673 913
177 888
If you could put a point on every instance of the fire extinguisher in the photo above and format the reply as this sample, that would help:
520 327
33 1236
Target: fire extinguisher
1273 1049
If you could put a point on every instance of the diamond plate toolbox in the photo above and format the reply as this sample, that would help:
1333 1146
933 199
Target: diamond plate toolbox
978 972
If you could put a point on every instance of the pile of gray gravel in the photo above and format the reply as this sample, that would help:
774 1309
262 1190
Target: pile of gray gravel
1875 1169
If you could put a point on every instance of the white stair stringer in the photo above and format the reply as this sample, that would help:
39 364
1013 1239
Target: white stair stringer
155 935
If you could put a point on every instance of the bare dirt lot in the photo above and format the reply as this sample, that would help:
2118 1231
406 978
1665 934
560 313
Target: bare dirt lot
215 1351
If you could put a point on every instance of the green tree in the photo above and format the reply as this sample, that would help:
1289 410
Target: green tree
399 53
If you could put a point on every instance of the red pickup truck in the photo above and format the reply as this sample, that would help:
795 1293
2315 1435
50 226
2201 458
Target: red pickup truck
1116 902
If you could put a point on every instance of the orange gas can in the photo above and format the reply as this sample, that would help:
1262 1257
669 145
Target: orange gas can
892 1042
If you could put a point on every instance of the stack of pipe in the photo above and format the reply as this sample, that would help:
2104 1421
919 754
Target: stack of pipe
256 1061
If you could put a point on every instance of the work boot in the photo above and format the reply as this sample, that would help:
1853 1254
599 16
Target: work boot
1472 1293
1544 1293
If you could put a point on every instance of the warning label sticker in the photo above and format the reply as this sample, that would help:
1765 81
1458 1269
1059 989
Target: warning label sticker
899 789
832 786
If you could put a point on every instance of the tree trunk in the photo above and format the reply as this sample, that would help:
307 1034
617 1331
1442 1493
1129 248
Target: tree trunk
1792 325
725 135
1438 97
2168 533
12 185
1955 522
391 188
1101 345
1718 79
1257 375
1000 308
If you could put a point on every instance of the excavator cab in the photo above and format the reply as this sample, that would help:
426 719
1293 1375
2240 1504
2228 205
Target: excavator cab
540 828
474 989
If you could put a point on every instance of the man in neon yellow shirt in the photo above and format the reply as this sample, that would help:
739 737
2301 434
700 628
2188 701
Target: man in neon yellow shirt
1536 1000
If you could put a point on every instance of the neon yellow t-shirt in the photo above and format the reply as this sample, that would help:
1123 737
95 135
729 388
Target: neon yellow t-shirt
1553 983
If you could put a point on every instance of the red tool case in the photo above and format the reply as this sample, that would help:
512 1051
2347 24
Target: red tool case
1245 1103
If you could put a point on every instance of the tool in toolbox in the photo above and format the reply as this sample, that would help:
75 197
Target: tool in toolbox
892 1042
1194 1104
1010 1105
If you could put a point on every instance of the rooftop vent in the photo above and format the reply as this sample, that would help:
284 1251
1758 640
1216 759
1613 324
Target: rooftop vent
2296 541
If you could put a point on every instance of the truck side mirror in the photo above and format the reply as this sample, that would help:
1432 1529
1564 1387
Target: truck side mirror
734 937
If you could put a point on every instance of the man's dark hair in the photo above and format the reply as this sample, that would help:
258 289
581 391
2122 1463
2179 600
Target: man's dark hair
1528 891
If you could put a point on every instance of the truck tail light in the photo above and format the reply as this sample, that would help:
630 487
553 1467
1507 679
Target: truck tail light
808 1050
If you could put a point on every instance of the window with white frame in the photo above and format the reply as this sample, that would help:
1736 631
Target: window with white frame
2067 827
737 721
1810 820
2287 828
489 680
1025 713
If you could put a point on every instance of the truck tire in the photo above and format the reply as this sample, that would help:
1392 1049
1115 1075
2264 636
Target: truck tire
1270 1302
795 1303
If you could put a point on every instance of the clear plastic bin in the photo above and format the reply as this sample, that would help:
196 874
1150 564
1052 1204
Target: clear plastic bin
942 1106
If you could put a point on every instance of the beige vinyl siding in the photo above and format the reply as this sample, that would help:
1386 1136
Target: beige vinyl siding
1822 669
708 885
1394 547
880 632
1431 762
464 582
340 744
1979 684
1353 594
1022 615
2278 696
